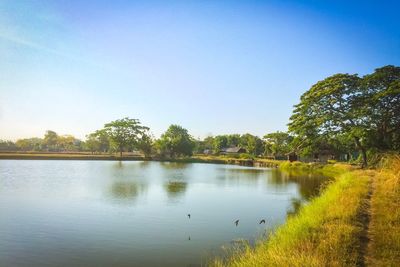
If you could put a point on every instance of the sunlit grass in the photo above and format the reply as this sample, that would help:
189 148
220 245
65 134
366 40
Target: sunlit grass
384 247
325 169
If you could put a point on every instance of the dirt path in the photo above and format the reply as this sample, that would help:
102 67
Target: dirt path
365 219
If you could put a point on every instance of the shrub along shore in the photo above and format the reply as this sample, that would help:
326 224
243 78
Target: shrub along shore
354 222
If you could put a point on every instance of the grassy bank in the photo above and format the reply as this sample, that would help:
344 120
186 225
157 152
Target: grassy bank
384 230
327 232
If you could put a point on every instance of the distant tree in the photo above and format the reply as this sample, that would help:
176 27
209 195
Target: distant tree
68 143
233 140
219 142
103 139
208 142
92 143
253 144
23 144
125 133
205 144
331 107
29 144
50 140
6 145
97 142
278 143
176 141
145 144
199 146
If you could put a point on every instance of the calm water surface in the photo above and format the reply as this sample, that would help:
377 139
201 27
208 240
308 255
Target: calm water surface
104 213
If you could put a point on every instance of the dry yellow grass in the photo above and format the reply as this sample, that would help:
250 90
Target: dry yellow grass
384 230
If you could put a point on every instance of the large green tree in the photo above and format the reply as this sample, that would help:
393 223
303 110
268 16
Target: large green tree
332 107
176 141
125 133
381 96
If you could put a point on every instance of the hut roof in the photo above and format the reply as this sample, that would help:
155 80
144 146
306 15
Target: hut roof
235 149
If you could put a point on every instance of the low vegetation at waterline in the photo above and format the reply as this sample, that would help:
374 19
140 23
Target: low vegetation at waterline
354 222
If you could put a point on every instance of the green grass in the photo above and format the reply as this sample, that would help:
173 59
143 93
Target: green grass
384 230
327 232
299 168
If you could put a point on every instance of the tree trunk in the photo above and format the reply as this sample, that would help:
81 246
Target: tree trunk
363 152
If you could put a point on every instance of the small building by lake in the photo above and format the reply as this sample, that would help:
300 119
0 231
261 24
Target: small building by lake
232 150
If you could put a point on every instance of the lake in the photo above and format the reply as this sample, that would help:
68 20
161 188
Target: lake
108 213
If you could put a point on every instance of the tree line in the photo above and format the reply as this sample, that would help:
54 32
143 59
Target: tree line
128 135
344 114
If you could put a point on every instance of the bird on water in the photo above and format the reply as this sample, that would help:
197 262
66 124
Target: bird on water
237 222
262 221
188 215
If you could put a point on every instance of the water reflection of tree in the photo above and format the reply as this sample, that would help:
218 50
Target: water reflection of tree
248 176
175 165
144 164
175 188
277 178
126 169
127 189
309 184
250 170
175 171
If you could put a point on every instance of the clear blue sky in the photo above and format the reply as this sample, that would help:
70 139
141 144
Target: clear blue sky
211 66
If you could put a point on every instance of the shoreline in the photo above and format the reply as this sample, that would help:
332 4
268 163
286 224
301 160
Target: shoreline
258 162
66 156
